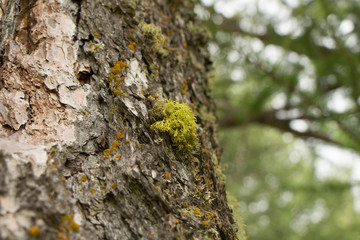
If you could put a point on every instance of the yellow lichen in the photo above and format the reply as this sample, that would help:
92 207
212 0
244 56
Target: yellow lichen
83 178
177 120
197 211
207 180
52 166
96 34
118 67
205 223
34 231
183 91
68 224
74 226
132 46
107 153
115 144
116 81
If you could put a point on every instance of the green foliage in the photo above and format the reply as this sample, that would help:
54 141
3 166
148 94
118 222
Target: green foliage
279 194
275 70
306 73
177 120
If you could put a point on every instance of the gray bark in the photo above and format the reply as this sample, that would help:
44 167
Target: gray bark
60 112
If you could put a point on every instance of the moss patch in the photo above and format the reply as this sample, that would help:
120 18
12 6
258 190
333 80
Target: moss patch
177 120
132 3
234 205
154 33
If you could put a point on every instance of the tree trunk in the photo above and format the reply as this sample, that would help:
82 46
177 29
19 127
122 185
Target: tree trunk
79 159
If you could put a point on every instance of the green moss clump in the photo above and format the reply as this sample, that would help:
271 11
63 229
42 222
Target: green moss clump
179 121
154 32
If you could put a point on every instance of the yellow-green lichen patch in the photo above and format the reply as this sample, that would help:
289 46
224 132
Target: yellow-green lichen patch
132 3
154 32
207 116
177 120
219 168
94 47
239 224
196 28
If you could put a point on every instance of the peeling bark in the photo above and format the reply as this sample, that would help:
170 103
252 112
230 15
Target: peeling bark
78 158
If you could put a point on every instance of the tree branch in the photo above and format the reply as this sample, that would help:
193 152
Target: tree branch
269 118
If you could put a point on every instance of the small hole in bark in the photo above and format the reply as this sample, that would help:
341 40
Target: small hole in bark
84 77
2 84
7 127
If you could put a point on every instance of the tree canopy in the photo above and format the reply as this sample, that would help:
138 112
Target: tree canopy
286 69
296 66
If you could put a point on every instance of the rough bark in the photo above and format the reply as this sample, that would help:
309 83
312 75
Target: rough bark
78 158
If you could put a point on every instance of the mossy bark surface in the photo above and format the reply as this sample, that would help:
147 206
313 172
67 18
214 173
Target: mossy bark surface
79 160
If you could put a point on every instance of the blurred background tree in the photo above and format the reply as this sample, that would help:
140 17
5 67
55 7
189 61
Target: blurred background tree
287 88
